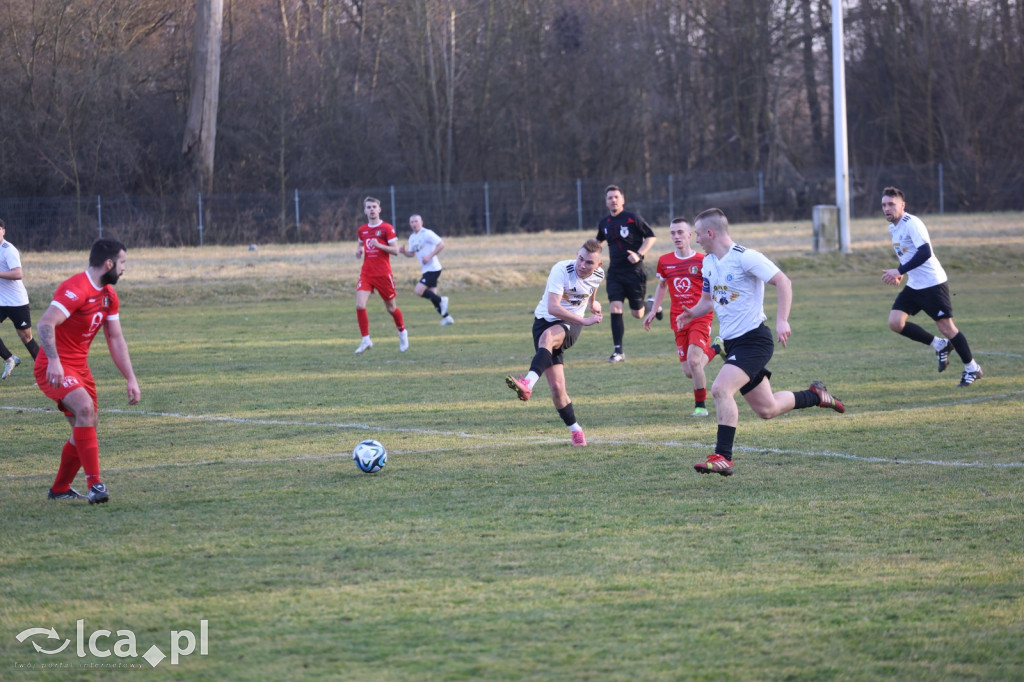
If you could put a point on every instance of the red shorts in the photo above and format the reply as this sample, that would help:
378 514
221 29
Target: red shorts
695 334
73 378
383 284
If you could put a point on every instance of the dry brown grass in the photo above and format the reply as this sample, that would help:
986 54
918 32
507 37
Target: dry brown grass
978 242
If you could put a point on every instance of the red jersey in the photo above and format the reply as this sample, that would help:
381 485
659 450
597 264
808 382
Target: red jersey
87 307
685 282
376 263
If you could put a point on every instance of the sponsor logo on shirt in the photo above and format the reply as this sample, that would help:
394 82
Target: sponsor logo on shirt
70 294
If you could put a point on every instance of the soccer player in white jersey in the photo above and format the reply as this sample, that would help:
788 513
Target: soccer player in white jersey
927 288
13 304
734 279
559 318
425 244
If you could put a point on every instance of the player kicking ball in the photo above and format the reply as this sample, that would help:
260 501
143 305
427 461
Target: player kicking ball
558 320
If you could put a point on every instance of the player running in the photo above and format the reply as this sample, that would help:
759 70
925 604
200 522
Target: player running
558 320
81 306
734 279
377 240
679 276
927 288
425 244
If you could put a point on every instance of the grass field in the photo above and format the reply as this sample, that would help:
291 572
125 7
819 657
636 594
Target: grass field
885 543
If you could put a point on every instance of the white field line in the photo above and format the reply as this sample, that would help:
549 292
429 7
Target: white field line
489 439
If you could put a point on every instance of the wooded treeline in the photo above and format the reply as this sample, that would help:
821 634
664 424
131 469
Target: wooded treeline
322 94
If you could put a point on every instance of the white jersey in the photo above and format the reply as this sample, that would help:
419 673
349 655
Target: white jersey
908 235
12 291
736 284
575 292
422 243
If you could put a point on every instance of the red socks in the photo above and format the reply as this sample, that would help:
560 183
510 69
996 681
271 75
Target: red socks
69 466
700 395
399 322
88 452
364 321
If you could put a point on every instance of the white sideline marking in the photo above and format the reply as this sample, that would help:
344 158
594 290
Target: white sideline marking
537 440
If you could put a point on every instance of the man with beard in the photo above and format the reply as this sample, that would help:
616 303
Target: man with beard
81 306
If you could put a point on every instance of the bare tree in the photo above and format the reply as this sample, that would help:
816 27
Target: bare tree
201 128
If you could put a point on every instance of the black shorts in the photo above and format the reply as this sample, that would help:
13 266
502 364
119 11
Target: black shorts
20 315
751 353
627 283
429 279
572 332
934 301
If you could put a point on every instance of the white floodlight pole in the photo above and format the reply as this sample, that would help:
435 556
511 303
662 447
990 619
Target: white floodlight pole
839 126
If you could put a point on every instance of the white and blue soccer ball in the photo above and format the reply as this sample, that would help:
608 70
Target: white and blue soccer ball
370 456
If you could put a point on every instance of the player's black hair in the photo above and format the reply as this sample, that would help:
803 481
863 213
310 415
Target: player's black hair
103 249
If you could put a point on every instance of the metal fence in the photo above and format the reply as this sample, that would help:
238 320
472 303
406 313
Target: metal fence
496 207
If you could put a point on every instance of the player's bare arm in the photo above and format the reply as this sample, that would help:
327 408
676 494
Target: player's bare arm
12 275
118 348
555 309
784 290
892 277
637 256
47 331
389 247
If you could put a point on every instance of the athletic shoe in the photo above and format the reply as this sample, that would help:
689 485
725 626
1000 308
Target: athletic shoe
648 304
521 386
444 306
578 439
69 494
447 320
403 340
715 464
617 357
364 345
699 412
9 365
98 494
943 356
826 399
718 347
968 378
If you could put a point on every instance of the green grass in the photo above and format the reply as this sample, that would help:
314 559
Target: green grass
885 543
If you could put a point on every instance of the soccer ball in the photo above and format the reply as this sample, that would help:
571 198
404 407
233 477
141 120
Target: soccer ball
370 456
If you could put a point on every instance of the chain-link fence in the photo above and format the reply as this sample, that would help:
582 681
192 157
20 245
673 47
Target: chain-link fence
496 207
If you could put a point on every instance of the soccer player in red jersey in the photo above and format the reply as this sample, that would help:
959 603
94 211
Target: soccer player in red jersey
81 306
679 275
377 243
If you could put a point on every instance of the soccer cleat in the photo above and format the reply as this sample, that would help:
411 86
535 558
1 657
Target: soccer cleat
648 304
826 399
9 365
521 386
98 494
69 494
969 377
447 320
364 345
718 347
699 412
403 340
715 464
578 439
444 306
943 356
617 357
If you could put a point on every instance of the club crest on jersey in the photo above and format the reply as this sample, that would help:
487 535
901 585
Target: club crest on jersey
623 231
724 296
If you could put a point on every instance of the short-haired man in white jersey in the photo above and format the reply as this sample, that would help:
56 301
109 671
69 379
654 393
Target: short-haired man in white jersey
425 244
927 288
734 279
559 318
